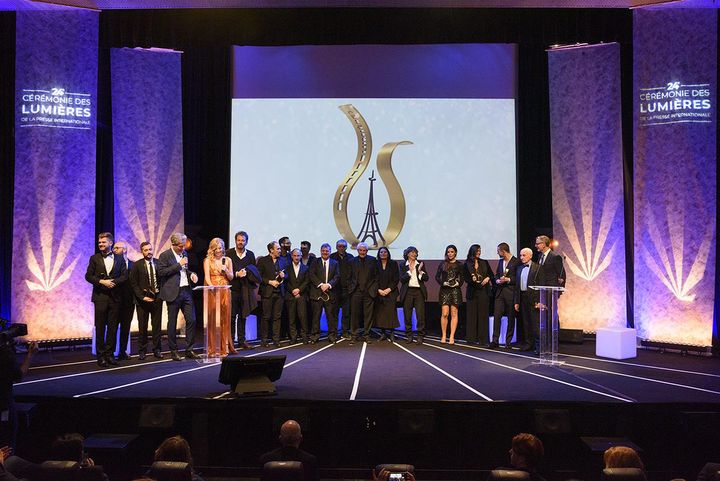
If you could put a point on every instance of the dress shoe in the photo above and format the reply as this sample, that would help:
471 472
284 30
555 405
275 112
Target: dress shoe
332 340
111 361
409 340
102 362
494 345
263 344
420 340
123 357
276 343
191 355
293 340
157 354
141 355
245 346
368 340
352 341
175 356
382 337
392 337
346 336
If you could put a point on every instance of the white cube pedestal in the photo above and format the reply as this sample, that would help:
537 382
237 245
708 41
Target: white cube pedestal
616 343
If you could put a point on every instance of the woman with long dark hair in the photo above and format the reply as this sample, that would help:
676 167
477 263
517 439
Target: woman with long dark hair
387 290
449 276
478 276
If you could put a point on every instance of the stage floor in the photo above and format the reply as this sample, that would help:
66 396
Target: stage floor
387 371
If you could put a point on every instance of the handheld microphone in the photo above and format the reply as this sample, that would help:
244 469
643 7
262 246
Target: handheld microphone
223 261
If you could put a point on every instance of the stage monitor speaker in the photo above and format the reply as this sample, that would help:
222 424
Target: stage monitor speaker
552 421
416 421
251 376
571 336
157 416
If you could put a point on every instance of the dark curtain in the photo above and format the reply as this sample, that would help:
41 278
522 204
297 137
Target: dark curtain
7 153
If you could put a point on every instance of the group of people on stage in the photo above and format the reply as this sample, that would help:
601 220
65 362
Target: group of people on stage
365 289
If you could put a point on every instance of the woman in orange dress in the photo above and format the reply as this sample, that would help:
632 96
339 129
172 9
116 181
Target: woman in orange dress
218 272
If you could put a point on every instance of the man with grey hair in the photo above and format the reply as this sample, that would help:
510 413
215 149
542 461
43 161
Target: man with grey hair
363 290
176 290
526 299
290 439
344 260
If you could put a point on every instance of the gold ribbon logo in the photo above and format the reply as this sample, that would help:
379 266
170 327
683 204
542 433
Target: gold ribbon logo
370 230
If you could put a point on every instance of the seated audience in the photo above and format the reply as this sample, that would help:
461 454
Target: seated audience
5 475
176 449
289 450
384 475
526 454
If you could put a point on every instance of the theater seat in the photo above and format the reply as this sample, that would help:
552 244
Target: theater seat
508 475
623 474
59 470
396 468
283 471
170 471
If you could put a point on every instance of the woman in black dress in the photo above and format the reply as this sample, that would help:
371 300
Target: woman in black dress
449 276
386 318
478 276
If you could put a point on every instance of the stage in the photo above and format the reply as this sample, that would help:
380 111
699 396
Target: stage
383 371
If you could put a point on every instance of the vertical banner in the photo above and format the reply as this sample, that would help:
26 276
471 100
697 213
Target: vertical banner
147 147
675 129
54 201
587 184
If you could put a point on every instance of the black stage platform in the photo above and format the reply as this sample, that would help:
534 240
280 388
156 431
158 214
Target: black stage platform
386 371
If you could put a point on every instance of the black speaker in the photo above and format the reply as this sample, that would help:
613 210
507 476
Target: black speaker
251 376
416 421
552 421
159 416
571 336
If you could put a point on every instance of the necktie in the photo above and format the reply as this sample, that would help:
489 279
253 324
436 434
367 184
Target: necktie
542 260
325 270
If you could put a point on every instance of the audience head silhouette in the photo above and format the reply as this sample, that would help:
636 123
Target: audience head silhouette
526 452
290 433
176 449
622 457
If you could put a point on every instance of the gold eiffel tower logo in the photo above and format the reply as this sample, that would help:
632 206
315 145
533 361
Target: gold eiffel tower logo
370 229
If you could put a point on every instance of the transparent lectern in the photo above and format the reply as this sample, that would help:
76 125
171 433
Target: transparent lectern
549 324
212 327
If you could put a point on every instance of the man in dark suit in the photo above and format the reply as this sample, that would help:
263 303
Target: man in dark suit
272 277
144 283
285 247
290 439
526 299
242 291
106 272
324 278
344 260
363 290
552 272
127 303
296 283
413 293
306 257
504 295
176 289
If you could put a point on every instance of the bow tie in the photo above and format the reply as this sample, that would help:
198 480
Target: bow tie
105 256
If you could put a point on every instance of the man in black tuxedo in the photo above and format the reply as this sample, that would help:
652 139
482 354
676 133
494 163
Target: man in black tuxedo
526 299
144 283
363 290
176 289
505 276
290 439
106 272
296 283
324 278
272 277
242 291
552 272
127 303
344 260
